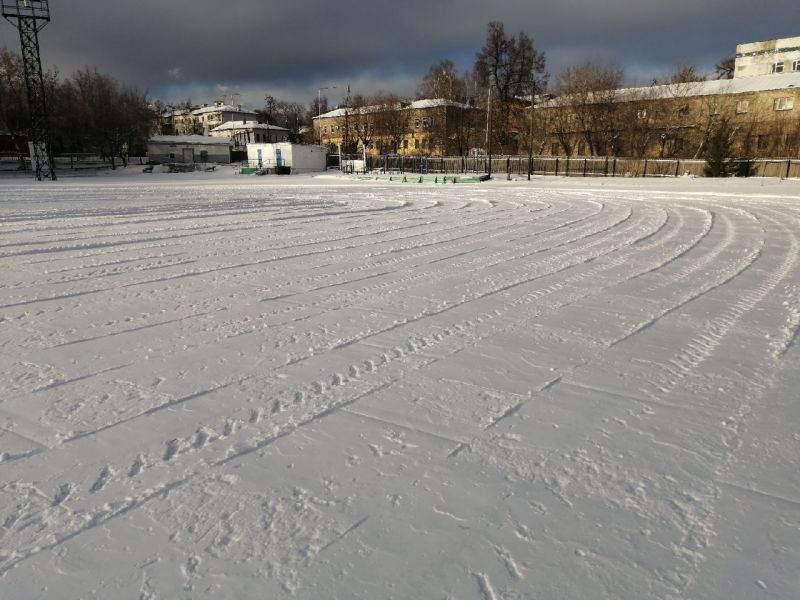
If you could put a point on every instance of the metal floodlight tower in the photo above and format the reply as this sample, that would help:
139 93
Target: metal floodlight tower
29 17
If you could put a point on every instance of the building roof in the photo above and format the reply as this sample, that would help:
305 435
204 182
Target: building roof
416 105
714 87
221 108
188 139
233 125
178 112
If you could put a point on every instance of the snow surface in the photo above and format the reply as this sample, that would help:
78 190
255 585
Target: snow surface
222 387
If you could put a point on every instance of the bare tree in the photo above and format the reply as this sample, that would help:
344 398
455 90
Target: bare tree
364 120
507 65
441 81
14 114
588 95
726 67
104 117
391 121
290 115
685 74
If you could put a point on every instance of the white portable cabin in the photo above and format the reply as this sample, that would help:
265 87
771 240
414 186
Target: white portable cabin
300 158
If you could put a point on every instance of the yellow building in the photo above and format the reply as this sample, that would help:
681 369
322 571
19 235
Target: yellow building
435 127
763 113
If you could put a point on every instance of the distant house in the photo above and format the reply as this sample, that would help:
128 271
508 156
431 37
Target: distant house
241 133
202 119
207 117
188 149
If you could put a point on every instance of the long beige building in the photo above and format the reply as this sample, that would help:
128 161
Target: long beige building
676 120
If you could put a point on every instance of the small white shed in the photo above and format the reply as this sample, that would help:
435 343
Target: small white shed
188 149
301 158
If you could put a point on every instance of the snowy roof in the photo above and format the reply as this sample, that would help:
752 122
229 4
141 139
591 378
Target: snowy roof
416 105
221 108
188 139
743 85
232 125
175 113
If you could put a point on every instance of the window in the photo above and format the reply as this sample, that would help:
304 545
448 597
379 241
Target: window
416 143
581 149
416 123
777 67
784 103
405 144
683 110
641 114
203 155
554 149
762 142
742 106
713 109
796 65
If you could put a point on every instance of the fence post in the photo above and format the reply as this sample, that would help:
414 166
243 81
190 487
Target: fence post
566 166
677 166
556 166
614 172
788 167
605 168
644 174
585 162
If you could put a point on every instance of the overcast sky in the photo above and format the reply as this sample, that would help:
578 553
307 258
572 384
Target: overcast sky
205 49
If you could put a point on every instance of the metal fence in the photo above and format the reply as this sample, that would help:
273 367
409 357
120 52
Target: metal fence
566 166
11 163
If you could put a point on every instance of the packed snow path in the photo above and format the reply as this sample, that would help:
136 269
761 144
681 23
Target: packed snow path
325 389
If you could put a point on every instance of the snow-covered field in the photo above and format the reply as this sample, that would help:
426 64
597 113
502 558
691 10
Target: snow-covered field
224 387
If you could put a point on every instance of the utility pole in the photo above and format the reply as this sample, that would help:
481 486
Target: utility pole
489 129
319 109
30 17
530 133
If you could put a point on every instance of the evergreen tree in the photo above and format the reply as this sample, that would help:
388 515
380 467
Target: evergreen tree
718 151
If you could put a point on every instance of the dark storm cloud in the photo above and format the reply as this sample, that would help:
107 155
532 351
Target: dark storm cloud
204 47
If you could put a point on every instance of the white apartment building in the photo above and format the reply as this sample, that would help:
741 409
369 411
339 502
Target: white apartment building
768 57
